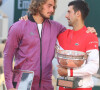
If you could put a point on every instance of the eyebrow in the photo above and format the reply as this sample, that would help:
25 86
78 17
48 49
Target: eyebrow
50 4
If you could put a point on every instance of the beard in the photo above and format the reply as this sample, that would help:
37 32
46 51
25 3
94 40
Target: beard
43 15
69 24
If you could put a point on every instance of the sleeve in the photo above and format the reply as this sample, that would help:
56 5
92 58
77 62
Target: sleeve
9 51
58 46
60 28
92 65
92 42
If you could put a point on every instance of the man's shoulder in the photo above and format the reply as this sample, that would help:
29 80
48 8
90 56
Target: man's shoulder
20 23
57 26
91 41
18 27
88 35
65 33
91 37
55 22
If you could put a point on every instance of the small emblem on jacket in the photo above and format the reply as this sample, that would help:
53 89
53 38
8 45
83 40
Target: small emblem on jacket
76 44
31 33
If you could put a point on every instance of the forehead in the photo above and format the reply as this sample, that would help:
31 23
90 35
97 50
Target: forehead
50 2
70 8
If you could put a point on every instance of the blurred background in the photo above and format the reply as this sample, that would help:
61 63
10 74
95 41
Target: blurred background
12 10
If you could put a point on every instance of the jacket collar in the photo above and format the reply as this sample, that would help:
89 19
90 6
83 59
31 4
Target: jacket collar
30 17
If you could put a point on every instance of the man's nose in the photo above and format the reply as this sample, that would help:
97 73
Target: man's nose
66 16
52 9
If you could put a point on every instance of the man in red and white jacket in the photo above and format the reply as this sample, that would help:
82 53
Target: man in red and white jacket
77 39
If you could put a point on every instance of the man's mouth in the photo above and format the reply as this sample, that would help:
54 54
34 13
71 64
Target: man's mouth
50 13
68 20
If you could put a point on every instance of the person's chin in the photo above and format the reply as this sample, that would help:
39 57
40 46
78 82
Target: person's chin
47 17
69 24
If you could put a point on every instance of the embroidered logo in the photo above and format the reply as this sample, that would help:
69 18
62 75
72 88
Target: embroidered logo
76 44
93 42
31 33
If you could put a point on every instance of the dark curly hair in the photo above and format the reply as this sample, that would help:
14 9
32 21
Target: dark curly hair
36 5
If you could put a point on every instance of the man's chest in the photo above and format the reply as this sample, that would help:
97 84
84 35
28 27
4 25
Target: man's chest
74 42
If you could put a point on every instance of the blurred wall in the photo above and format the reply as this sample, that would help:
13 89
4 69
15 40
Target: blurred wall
8 9
61 11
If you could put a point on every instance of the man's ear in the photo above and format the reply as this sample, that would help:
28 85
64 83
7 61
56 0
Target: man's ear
78 13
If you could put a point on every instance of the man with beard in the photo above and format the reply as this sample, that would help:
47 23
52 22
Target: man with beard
32 42
78 40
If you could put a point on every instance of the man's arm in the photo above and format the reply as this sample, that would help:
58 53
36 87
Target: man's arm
9 51
89 29
89 69
92 63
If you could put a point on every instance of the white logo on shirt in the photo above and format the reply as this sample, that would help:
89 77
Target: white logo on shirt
93 42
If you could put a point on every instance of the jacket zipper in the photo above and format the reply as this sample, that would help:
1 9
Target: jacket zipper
40 60
40 56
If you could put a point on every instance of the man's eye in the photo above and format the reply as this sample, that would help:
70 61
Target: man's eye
54 7
49 5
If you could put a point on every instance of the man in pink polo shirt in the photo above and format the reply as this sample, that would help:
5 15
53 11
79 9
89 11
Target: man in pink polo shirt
77 39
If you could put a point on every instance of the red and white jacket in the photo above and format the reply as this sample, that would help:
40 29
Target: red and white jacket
85 42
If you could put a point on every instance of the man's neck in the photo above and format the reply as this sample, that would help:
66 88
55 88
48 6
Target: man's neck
38 19
78 26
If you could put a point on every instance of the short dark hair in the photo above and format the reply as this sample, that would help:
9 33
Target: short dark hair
80 5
